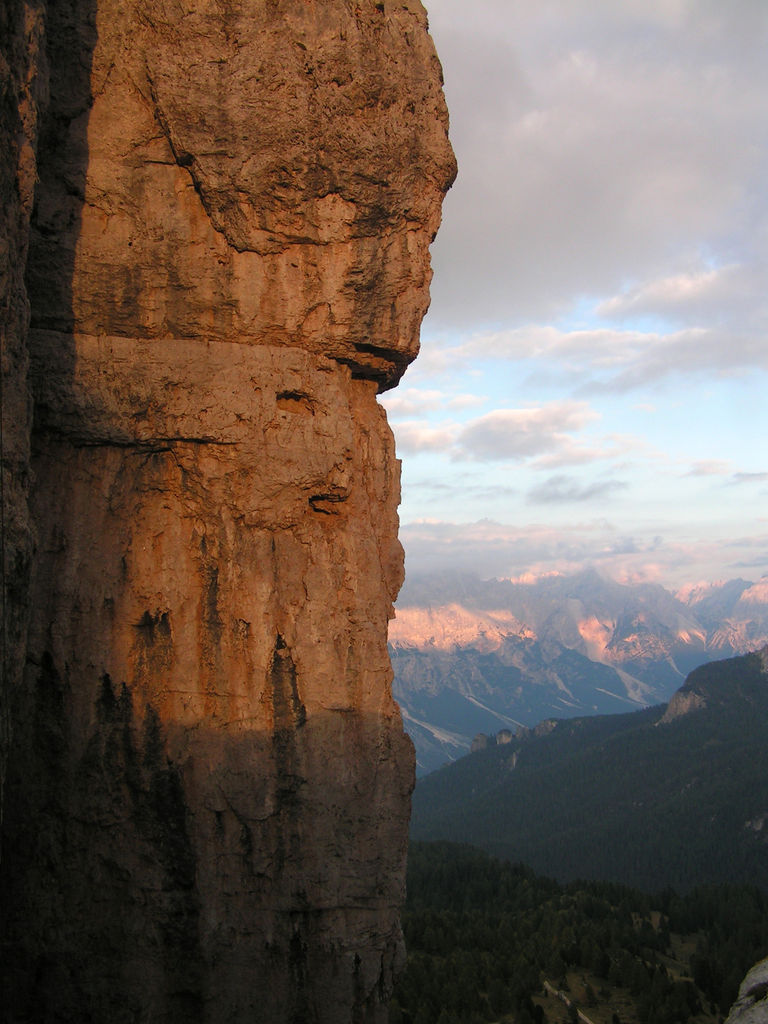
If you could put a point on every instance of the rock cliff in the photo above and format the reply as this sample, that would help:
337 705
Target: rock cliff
751 1006
208 781
23 85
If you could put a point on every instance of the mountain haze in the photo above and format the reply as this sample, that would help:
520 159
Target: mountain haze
473 655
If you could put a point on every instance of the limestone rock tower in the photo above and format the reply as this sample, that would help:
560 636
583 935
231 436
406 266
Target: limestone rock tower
207 782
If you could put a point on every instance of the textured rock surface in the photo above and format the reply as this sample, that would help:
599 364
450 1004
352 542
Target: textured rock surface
208 785
23 82
751 1006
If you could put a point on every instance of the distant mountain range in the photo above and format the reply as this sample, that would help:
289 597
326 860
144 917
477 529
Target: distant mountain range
675 795
472 655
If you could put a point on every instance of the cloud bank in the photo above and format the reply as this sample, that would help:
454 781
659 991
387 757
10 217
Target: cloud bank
596 347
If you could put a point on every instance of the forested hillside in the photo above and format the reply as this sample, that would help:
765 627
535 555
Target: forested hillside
484 936
658 797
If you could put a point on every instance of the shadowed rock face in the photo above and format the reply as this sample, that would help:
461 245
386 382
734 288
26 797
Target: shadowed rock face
208 781
23 84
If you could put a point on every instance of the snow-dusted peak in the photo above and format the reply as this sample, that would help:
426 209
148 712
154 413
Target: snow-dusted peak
449 626
757 593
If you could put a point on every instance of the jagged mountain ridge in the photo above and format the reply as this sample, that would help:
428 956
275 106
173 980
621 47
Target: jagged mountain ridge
672 795
475 655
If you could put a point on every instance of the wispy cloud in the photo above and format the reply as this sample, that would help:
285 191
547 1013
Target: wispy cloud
564 489
512 434
691 294
709 467
614 448
494 549
749 478
414 436
507 435
608 359
488 490
418 402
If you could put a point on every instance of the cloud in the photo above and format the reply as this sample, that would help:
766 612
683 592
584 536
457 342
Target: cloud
415 436
697 352
749 478
515 434
567 489
611 447
411 401
700 293
494 549
590 361
418 401
607 237
510 435
758 563
464 401
484 491
497 549
709 467
597 144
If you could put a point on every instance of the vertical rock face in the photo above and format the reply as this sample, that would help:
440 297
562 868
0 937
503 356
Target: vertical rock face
208 781
23 82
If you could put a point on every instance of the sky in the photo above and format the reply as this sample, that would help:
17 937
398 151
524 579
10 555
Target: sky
592 378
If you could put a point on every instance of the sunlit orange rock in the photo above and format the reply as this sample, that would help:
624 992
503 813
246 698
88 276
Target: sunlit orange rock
208 784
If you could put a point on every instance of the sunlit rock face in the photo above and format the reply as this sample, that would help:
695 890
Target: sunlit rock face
208 785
